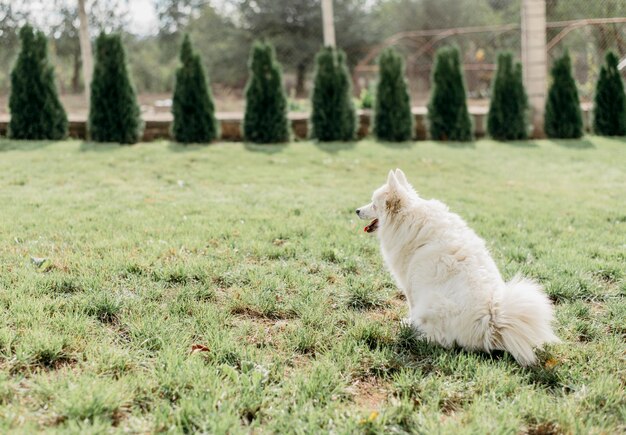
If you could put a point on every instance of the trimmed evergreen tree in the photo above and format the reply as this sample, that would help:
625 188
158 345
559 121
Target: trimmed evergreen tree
114 114
36 111
192 106
563 118
265 120
333 117
393 120
509 103
609 114
447 110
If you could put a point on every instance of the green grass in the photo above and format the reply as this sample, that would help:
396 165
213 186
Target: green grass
115 261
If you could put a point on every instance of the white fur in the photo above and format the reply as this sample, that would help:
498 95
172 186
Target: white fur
455 292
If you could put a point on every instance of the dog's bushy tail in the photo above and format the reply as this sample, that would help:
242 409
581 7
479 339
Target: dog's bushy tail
524 319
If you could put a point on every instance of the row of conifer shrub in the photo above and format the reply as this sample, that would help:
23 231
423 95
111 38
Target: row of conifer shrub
114 115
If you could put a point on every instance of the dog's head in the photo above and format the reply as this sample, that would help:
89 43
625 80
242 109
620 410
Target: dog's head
387 201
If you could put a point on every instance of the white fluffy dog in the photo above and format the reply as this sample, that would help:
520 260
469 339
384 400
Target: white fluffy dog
455 292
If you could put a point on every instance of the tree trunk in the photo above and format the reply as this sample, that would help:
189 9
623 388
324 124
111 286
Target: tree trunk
76 73
85 48
328 23
300 76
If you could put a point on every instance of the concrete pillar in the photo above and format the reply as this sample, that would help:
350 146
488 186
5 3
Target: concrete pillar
328 22
534 59
85 49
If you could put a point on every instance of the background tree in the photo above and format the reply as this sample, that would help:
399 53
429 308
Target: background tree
295 29
265 119
174 17
609 113
70 26
193 108
65 45
108 16
508 106
393 120
222 44
12 13
392 16
333 116
114 113
447 110
563 118
36 112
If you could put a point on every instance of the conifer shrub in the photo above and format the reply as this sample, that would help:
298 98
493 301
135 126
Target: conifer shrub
447 110
36 111
192 105
393 120
333 117
509 104
265 119
114 114
563 118
609 113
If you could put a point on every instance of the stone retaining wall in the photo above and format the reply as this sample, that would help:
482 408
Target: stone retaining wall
231 125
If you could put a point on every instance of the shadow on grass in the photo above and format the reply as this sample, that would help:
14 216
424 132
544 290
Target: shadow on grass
397 145
616 139
178 147
273 148
574 144
518 143
24 145
410 342
431 357
334 147
548 378
458 145
100 146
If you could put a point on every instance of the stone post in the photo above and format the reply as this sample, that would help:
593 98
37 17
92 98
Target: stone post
534 60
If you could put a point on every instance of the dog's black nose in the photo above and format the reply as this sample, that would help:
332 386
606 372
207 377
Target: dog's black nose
357 211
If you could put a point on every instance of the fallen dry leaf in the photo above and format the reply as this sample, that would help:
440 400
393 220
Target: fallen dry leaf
551 363
197 348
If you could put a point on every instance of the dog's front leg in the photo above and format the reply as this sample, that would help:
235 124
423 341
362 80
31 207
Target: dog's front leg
406 320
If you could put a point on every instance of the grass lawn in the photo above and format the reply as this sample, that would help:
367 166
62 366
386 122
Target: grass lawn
116 262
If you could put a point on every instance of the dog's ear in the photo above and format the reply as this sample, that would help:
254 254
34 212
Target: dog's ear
397 194
404 182
392 181
402 178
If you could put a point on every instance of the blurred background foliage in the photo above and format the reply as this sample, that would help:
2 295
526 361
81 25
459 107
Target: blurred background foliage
223 30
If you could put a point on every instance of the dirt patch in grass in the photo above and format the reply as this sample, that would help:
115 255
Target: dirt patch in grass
263 331
393 311
41 364
369 393
259 318
266 331
116 417
543 428
257 315
453 403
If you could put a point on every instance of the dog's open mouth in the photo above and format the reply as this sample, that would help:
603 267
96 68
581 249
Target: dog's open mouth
373 226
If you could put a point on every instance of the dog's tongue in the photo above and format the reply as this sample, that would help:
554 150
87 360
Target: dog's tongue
371 227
